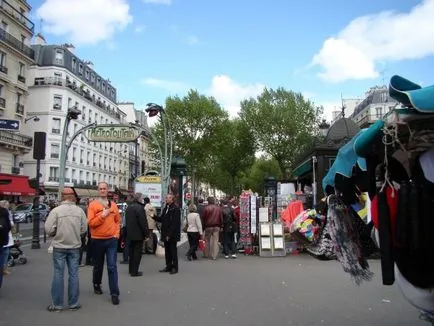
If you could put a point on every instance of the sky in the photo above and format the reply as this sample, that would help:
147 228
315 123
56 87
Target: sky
232 49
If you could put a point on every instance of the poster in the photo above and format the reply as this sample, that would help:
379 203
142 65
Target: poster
149 186
253 214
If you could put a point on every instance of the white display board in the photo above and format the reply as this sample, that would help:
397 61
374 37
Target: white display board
263 214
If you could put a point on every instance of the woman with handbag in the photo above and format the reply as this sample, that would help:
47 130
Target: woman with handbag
194 231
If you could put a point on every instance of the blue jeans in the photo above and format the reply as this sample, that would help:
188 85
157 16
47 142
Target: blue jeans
1 272
105 248
5 256
60 257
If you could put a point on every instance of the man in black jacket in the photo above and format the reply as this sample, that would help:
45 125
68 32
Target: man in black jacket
137 232
5 227
170 233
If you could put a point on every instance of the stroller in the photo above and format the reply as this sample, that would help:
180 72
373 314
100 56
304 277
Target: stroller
16 255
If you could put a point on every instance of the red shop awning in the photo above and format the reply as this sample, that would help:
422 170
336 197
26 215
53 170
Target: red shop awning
15 185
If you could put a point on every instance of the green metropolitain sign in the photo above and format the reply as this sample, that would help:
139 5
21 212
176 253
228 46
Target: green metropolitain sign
113 133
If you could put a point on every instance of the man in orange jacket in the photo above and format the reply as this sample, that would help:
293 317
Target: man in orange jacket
104 223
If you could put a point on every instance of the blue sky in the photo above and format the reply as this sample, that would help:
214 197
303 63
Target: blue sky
231 49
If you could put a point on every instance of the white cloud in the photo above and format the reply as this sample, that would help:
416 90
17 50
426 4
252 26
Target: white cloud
84 21
158 2
168 85
373 39
192 40
230 93
139 29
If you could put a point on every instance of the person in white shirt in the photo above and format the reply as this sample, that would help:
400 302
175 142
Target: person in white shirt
194 231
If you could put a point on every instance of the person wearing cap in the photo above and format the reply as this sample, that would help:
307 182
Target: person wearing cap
66 224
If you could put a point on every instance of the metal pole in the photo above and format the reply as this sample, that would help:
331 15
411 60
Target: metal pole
314 161
36 224
63 152
136 163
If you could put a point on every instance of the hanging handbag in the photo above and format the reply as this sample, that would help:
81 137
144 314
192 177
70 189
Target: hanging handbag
185 228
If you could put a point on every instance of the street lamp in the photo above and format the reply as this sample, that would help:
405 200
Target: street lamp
72 114
153 110
34 118
324 127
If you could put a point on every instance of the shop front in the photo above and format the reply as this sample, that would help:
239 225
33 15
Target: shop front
15 188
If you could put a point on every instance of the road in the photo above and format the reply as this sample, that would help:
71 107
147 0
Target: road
253 291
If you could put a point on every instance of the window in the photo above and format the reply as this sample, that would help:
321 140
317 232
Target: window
92 78
3 62
20 107
55 126
57 102
80 68
58 78
58 58
4 26
54 173
23 40
55 151
74 64
98 82
69 102
379 112
87 74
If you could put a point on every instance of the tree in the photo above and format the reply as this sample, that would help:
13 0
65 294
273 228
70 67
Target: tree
235 152
194 120
263 167
283 123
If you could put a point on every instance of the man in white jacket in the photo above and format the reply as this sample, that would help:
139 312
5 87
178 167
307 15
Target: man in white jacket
66 224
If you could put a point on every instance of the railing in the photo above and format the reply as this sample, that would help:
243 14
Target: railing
3 69
2 102
15 139
47 81
21 79
367 120
6 6
54 179
16 44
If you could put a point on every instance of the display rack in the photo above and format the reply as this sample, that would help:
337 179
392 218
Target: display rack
271 240
245 237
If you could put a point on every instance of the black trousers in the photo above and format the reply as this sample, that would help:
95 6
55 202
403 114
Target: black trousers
193 241
171 255
135 253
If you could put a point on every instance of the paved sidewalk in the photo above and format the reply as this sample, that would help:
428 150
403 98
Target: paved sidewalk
253 291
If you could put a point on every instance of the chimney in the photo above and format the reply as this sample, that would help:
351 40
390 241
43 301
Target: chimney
89 64
69 47
39 40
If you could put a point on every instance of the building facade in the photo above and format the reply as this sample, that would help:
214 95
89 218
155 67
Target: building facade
16 55
376 104
59 81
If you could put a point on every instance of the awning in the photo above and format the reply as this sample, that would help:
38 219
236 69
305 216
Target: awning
303 168
86 193
15 185
82 193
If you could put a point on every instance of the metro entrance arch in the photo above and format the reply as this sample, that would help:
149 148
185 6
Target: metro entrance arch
120 133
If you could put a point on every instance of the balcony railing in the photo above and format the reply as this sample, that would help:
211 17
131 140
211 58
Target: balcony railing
3 69
16 44
53 179
12 138
2 102
82 91
21 79
6 6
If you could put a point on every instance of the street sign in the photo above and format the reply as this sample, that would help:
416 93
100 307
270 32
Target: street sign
113 133
12 125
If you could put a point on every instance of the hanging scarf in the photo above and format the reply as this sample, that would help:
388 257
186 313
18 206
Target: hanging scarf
346 240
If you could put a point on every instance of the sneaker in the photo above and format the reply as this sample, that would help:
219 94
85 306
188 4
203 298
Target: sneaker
234 256
74 308
115 299
53 308
227 257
